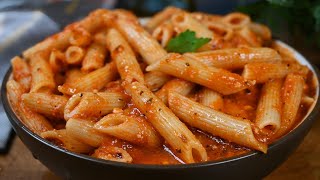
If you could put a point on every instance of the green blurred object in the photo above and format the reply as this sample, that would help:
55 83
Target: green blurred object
294 21
144 8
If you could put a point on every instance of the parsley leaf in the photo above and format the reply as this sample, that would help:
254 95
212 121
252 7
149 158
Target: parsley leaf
186 42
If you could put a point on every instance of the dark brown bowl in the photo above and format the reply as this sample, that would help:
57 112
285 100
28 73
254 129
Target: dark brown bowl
70 165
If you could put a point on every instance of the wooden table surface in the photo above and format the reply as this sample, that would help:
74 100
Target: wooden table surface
302 164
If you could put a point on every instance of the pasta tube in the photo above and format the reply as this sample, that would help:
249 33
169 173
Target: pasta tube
42 79
190 69
66 141
112 154
93 105
164 33
160 17
83 131
80 37
263 72
215 122
177 135
211 99
292 95
123 55
184 21
34 121
236 20
177 85
129 128
101 37
268 114
47 104
21 72
73 74
261 30
57 61
94 80
94 58
148 47
155 79
74 55
235 58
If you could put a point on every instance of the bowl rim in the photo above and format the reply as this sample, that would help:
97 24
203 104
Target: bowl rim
309 118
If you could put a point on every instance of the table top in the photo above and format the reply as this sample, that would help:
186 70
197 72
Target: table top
304 163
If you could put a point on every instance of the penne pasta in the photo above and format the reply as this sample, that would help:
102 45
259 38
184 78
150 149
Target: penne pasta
307 100
93 105
74 55
292 95
176 134
94 80
235 58
94 58
236 20
42 77
211 99
154 80
101 37
124 57
112 154
263 72
34 121
133 129
268 115
183 21
150 50
252 38
148 47
80 37
200 16
83 131
160 17
219 28
73 74
177 85
21 72
59 41
47 104
163 33
287 54
261 30
190 69
68 142
57 61
215 122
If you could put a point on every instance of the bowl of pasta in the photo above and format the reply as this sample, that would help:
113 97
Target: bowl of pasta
180 95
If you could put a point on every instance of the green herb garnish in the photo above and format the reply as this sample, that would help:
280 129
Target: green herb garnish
186 42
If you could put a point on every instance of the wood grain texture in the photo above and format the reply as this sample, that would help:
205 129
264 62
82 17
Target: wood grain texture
302 164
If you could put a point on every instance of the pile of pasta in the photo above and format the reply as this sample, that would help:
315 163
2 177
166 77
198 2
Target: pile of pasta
105 86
